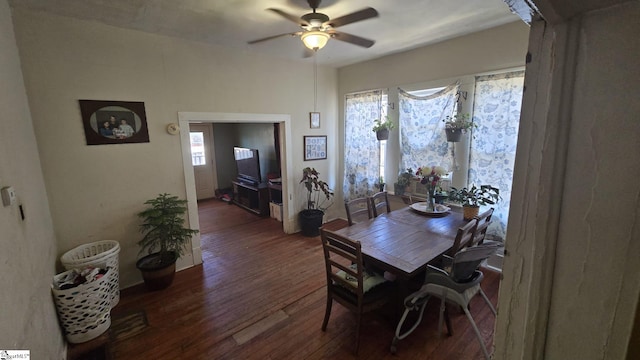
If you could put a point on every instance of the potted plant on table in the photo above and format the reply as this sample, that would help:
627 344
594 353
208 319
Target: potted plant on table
319 198
456 125
404 180
382 127
472 198
165 238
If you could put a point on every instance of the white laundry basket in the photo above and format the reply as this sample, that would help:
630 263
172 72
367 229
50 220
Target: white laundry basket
103 253
85 310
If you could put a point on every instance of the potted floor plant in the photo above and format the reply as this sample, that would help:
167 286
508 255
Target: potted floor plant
319 198
382 127
472 198
456 125
404 180
165 238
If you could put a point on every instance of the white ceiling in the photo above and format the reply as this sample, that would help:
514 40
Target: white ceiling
401 25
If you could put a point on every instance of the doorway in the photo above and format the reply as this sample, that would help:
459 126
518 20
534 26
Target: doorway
188 118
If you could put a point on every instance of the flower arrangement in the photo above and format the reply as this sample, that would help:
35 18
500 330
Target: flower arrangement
315 187
431 175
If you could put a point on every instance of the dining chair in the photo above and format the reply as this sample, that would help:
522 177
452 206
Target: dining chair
358 210
464 237
380 203
347 281
457 285
484 220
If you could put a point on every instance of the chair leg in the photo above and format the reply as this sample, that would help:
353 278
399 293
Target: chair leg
327 312
486 299
359 321
475 328
442 308
448 321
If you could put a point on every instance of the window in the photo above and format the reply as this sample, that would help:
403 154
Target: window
363 167
197 148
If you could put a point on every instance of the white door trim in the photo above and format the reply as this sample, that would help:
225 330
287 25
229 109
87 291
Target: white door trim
190 185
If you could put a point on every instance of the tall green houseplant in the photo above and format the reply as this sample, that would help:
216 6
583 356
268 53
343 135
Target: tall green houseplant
165 236
319 198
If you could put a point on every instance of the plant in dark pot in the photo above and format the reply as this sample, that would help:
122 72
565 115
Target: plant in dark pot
404 180
456 125
472 198
382 127
319 198
165 238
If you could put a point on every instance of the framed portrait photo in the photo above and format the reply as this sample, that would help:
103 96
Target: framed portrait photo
314 120
315 147
114 122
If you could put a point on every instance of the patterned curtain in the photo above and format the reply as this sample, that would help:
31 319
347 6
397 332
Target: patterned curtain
496 111
361 148
422 137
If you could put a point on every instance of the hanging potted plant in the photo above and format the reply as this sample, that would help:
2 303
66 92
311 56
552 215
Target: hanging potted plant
382 127
164 240
456 125
319 198
472 198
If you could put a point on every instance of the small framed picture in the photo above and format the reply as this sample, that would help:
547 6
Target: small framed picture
314 120
315 147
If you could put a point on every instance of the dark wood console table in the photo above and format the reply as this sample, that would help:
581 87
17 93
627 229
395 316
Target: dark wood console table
251 197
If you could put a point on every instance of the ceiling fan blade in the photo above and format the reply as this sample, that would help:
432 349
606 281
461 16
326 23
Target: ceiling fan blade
363 14
352 39
272 37
289 17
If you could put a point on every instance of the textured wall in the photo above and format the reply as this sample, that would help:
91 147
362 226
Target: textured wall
27 247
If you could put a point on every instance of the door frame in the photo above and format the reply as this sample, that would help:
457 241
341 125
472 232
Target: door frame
185 118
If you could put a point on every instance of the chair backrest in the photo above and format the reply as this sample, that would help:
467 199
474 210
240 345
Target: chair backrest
484 220
464 237
358 210
380 203
341 253
468 260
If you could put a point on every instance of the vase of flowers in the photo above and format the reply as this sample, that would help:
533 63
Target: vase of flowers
430 176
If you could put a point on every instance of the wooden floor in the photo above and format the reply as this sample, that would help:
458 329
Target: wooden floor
260 294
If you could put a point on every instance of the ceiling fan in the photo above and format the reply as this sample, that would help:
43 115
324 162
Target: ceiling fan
318 28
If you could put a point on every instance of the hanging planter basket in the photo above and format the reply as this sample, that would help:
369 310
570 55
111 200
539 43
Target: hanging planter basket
453 135
382 134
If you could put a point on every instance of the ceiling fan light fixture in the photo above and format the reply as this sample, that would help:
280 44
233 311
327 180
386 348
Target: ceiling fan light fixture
315 40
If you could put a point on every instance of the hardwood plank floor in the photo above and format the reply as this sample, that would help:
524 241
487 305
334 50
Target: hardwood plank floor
268 289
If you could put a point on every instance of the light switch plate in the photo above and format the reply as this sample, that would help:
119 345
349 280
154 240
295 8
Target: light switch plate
8 196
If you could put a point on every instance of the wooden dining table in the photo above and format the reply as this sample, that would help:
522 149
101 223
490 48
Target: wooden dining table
404 241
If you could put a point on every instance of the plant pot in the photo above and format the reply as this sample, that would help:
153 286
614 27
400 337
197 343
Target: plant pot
380 187
158 271
440 198
310 221
469 212
382 134
453 135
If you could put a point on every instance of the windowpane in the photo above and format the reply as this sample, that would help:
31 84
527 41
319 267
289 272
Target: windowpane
197 148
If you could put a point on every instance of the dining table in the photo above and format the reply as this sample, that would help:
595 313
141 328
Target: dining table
403 242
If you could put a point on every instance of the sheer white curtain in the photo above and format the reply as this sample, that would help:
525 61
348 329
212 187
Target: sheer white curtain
361 148
422 137
496 111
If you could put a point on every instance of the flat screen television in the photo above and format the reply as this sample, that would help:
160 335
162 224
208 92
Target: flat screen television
248 164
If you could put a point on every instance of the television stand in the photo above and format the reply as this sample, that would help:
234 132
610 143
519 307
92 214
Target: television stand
254 198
